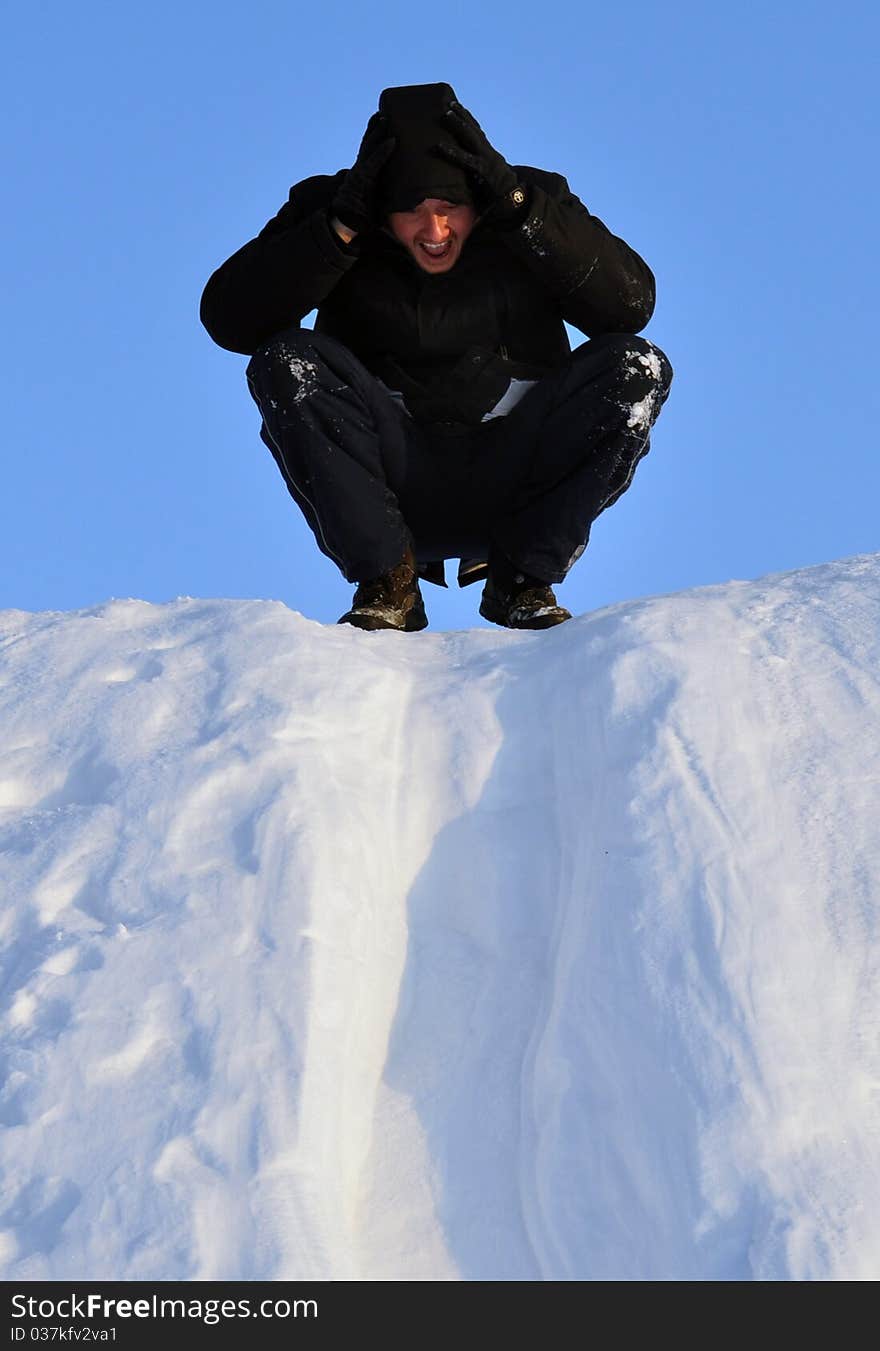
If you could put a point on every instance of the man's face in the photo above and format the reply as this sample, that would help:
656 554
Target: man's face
434 232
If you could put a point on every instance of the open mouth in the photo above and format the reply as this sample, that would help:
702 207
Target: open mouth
436 251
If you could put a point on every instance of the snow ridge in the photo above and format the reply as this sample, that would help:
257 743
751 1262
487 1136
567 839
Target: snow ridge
452 956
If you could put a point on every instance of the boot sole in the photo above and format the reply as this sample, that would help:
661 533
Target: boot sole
415 621
496 614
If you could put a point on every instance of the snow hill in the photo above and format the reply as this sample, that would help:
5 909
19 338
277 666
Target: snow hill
453 956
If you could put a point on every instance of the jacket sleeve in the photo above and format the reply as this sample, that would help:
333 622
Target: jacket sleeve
602 285
274 281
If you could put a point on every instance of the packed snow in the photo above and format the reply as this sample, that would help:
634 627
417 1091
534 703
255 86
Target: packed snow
454 956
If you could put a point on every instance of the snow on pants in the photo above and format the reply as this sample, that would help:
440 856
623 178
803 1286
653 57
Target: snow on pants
370 481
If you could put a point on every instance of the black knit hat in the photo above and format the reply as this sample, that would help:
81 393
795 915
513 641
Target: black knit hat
414 114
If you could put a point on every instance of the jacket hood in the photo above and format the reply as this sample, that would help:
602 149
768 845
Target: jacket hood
414 114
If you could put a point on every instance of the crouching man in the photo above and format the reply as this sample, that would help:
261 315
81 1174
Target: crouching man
436 410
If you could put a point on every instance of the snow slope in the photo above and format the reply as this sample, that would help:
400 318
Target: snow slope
452 956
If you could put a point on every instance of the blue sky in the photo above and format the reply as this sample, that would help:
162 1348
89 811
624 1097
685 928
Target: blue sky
734 147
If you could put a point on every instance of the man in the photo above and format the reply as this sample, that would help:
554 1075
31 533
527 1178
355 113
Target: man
436 410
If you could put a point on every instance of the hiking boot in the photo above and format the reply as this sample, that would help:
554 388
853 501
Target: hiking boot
392 601
518 601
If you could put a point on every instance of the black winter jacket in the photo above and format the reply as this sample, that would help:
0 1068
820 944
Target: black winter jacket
449 341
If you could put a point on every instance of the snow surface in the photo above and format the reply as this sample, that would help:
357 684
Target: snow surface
451 956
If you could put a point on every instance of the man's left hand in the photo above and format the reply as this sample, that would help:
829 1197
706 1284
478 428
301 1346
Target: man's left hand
497 192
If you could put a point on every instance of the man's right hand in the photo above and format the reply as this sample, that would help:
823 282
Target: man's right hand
354 205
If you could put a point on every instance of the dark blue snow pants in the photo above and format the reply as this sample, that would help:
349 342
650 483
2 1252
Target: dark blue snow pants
370 481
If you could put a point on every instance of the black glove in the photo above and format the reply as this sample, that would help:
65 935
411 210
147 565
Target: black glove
355 202
497 193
